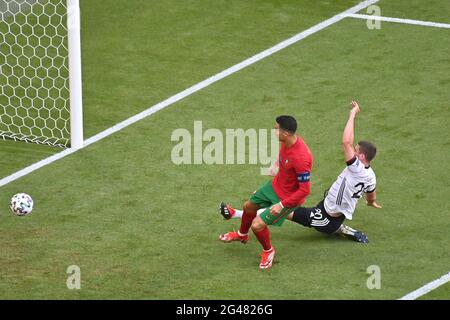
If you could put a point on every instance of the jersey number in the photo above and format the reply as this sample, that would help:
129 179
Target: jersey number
357 194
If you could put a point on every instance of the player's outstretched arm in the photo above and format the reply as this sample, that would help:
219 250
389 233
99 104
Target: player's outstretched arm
371 200
348 135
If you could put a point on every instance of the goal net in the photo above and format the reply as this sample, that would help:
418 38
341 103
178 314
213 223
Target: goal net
40 72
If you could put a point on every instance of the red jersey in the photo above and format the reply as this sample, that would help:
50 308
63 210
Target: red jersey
292 184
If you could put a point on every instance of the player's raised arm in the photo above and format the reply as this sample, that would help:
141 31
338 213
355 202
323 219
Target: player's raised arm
348 136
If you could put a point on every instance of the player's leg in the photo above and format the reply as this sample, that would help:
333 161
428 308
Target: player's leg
249 213
228 212
250 208
317 218
302 215
258 200
261 230
352 234
262 233
264 197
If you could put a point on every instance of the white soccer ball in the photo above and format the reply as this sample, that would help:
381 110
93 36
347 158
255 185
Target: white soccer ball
21 204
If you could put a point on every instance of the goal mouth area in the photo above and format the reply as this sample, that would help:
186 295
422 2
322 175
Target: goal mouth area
60 143
39 44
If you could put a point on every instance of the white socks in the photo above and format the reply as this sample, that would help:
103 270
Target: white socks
238 213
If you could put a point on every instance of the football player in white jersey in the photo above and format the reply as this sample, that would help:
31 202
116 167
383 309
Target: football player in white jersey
339 203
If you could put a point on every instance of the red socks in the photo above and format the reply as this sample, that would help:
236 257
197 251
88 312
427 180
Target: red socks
263 235
246 222
264 238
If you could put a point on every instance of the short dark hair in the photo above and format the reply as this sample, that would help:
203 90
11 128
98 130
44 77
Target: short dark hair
287 123
368 149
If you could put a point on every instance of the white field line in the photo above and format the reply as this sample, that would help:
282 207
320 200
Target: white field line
348 13
201 85
427 288
398 20
445 278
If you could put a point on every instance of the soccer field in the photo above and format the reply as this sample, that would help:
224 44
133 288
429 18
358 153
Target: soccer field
141 227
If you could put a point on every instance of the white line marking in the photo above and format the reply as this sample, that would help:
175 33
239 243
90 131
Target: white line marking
36 166
427 288
445 278
398 20
348 13
191 90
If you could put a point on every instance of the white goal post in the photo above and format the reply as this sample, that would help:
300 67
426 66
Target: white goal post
76 99
40 72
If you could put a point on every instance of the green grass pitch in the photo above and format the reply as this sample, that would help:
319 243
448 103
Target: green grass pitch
141 227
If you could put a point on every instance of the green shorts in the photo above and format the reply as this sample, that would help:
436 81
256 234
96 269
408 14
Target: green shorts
265 197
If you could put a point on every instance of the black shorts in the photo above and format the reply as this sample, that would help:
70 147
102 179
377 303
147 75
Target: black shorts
318 218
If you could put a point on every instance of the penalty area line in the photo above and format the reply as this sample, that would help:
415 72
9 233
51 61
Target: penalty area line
427 288
199 86
399 20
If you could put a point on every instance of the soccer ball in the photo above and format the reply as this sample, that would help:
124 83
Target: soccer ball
21 204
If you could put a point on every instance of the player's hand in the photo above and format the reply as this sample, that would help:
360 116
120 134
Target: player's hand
355 107
275 209
373 204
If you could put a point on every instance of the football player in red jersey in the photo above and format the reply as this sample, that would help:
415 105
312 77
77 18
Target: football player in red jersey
339 202
282 195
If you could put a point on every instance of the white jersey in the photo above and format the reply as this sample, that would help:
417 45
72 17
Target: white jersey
348 188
